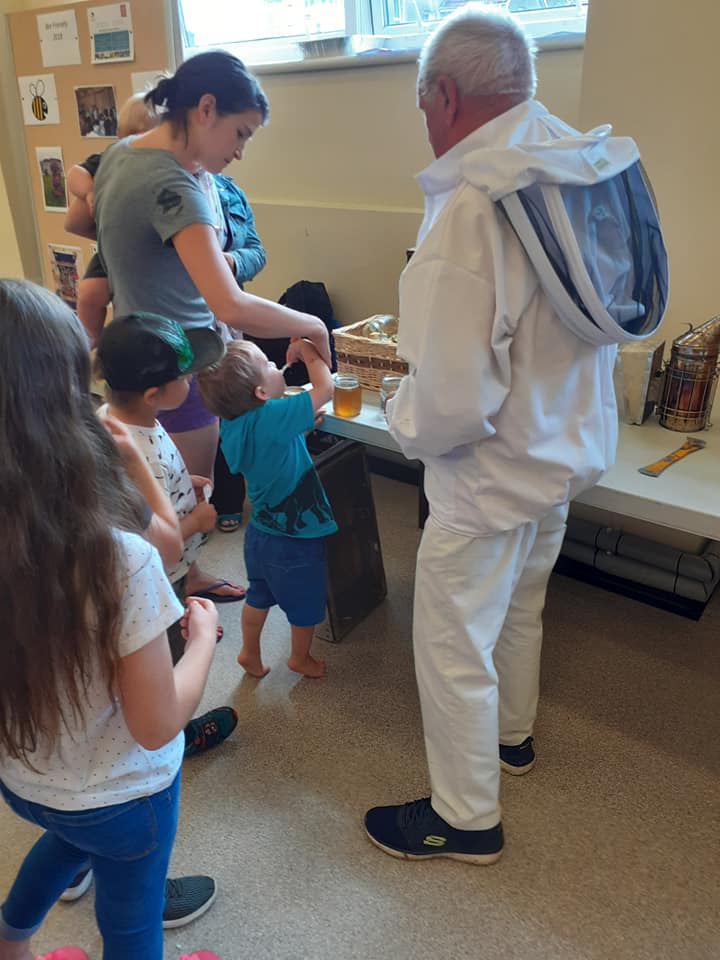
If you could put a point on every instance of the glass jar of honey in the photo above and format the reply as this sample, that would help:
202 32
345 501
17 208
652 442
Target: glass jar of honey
347 395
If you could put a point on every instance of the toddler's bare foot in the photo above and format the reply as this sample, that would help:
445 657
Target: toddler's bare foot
308 666
253 666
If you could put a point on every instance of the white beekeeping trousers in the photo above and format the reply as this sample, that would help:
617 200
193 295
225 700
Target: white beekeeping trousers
477 635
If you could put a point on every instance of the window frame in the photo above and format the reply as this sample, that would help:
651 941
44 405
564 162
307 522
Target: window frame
284 54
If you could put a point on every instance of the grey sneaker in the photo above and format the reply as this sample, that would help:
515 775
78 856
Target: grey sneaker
518 760
186 899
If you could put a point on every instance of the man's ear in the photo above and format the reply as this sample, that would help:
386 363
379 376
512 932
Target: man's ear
150 395
447 91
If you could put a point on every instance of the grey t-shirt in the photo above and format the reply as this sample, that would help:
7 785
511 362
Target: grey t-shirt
143 197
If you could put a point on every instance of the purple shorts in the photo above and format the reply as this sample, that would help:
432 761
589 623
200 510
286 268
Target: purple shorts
190 415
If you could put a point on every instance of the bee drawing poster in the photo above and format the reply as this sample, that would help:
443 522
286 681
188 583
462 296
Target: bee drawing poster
39 99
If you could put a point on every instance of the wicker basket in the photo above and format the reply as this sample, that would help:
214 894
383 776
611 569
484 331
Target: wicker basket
368 359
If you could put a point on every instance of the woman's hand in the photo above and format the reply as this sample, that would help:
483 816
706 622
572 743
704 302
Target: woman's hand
320 340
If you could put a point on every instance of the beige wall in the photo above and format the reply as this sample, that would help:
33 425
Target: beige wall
650 68
330 178
19 253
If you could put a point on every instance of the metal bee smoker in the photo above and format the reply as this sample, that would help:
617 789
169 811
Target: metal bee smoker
691 378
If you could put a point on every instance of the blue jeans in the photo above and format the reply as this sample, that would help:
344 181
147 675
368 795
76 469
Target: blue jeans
128 846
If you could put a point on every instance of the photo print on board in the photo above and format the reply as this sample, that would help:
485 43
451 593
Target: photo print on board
66 268
39 99
97 111
52 178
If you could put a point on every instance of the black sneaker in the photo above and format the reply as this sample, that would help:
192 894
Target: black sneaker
79 885
186 899
205 732
414 831
518 760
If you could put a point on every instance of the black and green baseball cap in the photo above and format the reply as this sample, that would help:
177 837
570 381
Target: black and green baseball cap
145 350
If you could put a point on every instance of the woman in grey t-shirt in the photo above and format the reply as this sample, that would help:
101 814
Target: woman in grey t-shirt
156 232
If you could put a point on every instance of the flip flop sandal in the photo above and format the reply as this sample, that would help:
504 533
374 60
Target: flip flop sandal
229 522
209 594
220 634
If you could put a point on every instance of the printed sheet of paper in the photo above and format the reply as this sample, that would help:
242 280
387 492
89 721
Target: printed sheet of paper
111 33
58 35
66 268
145 80
39 99
52 178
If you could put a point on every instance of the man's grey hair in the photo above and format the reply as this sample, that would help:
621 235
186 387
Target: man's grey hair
485 51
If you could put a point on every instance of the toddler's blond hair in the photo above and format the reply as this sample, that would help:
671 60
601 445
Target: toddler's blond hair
136 116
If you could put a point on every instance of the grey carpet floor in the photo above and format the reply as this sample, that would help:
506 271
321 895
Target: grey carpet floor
612 846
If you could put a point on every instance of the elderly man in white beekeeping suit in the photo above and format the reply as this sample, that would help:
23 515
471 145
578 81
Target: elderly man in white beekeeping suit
539 252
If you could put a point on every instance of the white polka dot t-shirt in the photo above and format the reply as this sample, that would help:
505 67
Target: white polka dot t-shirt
97 762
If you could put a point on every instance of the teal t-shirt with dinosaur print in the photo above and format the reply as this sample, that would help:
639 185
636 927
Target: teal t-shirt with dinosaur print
267 445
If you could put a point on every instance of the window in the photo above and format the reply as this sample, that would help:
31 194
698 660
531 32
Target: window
392 13
267 31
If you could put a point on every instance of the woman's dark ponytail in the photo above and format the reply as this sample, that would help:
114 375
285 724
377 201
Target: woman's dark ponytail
216 72
163 94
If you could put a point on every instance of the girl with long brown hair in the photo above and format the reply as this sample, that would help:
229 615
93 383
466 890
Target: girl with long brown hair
91 709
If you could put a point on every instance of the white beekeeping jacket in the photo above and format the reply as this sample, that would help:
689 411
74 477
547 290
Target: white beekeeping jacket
539 252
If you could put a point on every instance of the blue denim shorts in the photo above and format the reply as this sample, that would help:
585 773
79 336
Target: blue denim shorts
288 571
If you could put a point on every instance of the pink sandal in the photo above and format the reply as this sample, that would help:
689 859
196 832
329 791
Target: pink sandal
200 955
65 953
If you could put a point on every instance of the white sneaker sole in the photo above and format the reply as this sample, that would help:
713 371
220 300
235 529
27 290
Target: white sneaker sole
479 859
74 893
188 918
517 771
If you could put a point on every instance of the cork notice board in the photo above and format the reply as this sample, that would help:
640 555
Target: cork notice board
85 97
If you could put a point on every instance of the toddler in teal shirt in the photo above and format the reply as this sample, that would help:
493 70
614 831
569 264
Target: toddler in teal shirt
262 437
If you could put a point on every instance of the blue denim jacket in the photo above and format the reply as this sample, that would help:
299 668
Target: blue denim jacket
242 238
